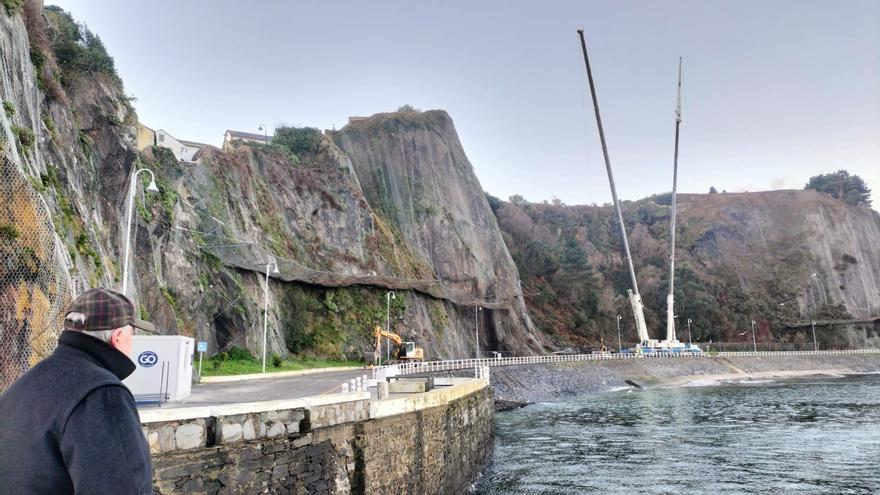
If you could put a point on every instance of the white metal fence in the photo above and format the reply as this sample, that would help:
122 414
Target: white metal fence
460 364
841 352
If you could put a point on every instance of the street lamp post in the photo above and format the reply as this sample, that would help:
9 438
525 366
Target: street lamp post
477 328
150 188
815 344
814 276
690 340
388 297
265 130
266 309
754 340
619 345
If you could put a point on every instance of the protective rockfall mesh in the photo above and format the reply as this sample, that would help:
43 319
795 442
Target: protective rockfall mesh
35 283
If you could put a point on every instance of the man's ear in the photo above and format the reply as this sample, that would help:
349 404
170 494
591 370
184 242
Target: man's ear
115 336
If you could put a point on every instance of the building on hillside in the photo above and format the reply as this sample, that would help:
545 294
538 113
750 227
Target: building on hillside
183 150
247 137
146 137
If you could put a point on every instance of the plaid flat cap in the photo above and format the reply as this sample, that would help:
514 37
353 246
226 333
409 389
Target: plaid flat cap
102 309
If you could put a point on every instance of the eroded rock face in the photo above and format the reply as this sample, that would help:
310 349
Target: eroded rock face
415 174
836 245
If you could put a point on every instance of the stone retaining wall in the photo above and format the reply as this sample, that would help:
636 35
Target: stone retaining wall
432 443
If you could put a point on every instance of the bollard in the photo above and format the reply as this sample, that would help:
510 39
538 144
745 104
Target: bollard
357 384
351 385
344 388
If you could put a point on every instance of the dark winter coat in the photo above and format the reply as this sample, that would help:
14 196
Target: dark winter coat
69 425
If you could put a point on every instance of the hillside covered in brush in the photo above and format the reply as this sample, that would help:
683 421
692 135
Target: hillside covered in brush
778 257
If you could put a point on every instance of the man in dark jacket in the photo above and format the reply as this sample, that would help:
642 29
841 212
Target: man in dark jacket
69 425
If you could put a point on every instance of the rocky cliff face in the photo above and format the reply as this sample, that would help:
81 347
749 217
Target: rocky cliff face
782 258
388 203
65 156
415 174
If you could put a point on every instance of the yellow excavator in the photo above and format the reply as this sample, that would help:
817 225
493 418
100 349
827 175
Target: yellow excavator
404 351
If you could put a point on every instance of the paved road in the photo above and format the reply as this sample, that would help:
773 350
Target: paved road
292 387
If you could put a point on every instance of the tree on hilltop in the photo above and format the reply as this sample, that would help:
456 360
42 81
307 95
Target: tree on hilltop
848 188
298 140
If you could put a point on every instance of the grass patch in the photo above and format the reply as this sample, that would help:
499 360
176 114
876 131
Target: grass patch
254 365
24 136
9 232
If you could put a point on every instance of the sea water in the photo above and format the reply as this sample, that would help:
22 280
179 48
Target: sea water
799 437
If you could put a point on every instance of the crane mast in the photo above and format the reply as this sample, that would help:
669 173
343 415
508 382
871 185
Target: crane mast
670 298
635 298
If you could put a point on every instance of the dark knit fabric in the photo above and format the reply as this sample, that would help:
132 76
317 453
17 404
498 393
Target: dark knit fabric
69 425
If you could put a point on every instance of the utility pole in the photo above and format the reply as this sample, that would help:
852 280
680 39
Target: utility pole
754 340
388 297
477 312
815 344
619 345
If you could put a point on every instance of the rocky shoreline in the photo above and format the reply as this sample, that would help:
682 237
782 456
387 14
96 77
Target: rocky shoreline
518 386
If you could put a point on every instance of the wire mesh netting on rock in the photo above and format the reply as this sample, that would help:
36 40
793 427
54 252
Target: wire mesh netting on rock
34 277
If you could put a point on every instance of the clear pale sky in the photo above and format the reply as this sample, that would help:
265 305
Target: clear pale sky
774 92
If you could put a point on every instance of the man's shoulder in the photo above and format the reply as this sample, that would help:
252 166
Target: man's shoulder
72 366
61 378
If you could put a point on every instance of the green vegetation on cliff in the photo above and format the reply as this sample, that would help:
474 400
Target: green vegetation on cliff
336 322
298 140
77 50
843 186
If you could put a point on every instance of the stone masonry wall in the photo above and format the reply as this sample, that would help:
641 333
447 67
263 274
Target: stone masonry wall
330 448
433 451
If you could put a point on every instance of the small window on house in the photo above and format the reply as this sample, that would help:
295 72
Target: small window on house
161 138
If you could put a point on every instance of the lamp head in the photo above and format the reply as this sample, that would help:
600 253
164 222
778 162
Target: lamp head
152 187
260 128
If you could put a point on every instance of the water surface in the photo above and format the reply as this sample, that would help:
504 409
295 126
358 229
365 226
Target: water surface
804 437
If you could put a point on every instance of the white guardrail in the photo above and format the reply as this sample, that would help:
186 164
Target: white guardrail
459 364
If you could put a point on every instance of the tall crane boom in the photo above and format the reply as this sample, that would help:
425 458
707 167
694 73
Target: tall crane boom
670 298
635 298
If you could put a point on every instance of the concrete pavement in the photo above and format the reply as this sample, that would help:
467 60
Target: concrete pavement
290 387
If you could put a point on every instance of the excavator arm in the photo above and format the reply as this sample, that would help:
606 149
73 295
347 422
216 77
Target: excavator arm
408 351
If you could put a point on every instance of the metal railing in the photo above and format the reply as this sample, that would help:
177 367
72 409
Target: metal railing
839 352
460 364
